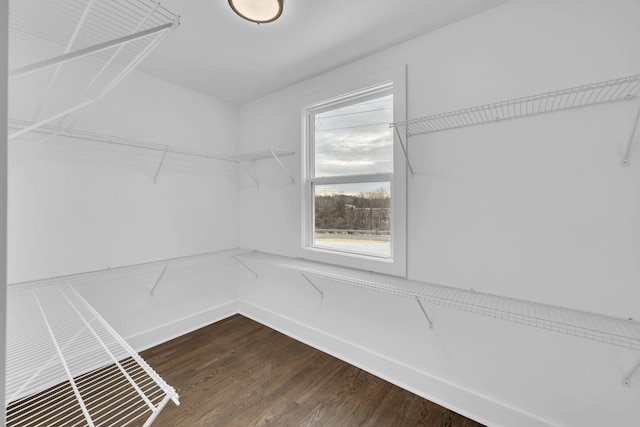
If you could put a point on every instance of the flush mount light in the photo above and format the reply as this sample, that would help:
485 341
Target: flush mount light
258 11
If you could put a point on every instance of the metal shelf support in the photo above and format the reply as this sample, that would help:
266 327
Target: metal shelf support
246 267
250 172
158 281
263 155
404 149
164 154
313 284
275 156
627 379
625 160
424 311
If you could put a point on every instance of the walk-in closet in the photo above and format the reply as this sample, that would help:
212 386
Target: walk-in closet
268 212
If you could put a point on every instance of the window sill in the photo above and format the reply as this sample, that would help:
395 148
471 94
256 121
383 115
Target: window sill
384 265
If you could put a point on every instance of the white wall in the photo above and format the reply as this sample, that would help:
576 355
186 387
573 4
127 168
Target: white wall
77 206
536 208
4 44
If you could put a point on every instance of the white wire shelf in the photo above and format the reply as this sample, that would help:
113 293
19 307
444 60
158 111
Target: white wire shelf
605 329
57 131
67 366
117 140
48 38
20 288
575 97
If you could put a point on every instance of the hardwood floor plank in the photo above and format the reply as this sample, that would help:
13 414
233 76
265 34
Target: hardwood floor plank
238 373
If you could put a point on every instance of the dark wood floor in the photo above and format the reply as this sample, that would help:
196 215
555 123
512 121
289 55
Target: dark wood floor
240 373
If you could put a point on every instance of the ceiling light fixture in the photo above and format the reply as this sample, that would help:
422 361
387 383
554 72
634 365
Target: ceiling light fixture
258 11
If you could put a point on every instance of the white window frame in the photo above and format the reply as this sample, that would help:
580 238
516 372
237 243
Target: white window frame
374 86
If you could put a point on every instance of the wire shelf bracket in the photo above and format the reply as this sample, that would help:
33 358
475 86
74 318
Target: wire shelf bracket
164 154
424 311
284 169
601 328
627 153
627 379
313 284
249 269
164 270
404 150
253 157
625 88
250 172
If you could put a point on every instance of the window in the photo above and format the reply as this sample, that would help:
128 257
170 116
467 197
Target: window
349 185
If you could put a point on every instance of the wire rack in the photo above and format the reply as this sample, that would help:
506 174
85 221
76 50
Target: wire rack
605 329
575 97
66 366
17 124
57 131
49 38
20 288
116 140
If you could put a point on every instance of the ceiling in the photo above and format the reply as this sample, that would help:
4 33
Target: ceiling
216 52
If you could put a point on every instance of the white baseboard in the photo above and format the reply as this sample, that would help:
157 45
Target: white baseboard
458 399
169 331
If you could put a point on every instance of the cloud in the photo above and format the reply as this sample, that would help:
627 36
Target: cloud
355 139
353 151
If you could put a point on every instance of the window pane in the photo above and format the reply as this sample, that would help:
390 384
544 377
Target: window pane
353 217
355 139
